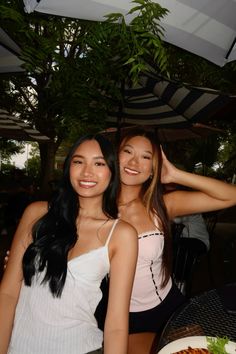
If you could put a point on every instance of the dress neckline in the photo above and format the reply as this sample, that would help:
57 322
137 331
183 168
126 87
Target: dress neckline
86 253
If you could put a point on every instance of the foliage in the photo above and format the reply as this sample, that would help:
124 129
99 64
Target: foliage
196 155
227 156
192 69
32 167
32 164
6 169
9 148
75 69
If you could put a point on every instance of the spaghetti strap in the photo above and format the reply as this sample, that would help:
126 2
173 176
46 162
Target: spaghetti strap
111 232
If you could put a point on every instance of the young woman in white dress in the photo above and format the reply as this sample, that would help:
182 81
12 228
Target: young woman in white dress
60 253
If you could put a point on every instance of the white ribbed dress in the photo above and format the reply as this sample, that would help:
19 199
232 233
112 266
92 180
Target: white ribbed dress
66 325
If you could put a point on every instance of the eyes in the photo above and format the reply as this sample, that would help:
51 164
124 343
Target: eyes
130 152
78 161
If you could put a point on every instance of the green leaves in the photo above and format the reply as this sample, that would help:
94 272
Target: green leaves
141 37
75 69
217 345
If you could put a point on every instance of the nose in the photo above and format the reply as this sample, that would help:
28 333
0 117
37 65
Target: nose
87 170
133 160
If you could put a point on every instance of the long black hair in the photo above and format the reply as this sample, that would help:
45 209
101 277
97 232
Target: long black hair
56 232
152 195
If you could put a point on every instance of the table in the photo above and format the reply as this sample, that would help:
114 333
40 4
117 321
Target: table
203 314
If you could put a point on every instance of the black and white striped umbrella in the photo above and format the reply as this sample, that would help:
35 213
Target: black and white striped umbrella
206 28
162 103
13 128
9 54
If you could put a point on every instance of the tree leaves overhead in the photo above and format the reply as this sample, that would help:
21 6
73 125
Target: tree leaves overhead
192 69
74 69
9 148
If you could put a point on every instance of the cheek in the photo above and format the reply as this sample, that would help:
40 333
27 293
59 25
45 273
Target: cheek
148 167
106 177
123 160
73 172
72 175
121 157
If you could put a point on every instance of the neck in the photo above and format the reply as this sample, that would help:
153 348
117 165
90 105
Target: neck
91 208
129 194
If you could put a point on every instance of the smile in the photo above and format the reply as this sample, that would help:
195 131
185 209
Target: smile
131 172
87 184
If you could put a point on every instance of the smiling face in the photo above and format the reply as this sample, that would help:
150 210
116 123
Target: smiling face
136 161
89 172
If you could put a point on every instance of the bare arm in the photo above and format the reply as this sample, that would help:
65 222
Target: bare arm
209 194
12 279
123 256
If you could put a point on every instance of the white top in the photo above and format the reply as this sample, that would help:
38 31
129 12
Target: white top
147 292
49 325
194 227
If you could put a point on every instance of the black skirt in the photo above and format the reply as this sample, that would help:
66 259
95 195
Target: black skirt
154 320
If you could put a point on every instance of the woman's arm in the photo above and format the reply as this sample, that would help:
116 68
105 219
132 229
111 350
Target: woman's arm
208 193
12 279
123 251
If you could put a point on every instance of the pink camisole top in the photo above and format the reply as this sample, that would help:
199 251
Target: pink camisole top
147 292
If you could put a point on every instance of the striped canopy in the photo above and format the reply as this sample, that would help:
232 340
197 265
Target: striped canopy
195 131
206 28
162 103
9 54
13 128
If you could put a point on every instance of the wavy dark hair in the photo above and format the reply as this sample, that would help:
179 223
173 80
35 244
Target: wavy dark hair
152 195
56 232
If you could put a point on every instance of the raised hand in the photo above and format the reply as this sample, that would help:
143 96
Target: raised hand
6 259
168 170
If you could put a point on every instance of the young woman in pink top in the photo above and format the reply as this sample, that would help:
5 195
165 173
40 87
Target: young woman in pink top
144 171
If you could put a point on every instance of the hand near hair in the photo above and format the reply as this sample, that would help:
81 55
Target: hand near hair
200 193
6 259
168 170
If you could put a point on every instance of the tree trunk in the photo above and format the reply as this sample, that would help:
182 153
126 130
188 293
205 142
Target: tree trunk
47 154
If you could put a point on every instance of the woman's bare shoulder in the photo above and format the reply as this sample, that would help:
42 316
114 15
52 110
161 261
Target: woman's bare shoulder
125 227
36 210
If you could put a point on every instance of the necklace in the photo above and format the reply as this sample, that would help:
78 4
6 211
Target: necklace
128 203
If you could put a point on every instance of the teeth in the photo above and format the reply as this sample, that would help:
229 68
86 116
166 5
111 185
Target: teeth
131 171
87 183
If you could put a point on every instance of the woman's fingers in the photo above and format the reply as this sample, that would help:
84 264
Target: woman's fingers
6 259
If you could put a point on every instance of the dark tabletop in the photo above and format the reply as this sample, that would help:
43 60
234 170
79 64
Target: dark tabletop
204 314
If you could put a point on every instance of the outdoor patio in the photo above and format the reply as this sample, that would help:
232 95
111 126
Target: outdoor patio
222 256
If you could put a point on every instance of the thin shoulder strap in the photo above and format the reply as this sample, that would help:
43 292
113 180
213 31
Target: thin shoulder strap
111 232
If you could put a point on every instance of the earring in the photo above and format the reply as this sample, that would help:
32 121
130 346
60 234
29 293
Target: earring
151 175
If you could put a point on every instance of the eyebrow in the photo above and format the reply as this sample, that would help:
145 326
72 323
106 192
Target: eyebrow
82 157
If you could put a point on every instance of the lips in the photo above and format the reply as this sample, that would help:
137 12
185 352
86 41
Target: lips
131 171
87 184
